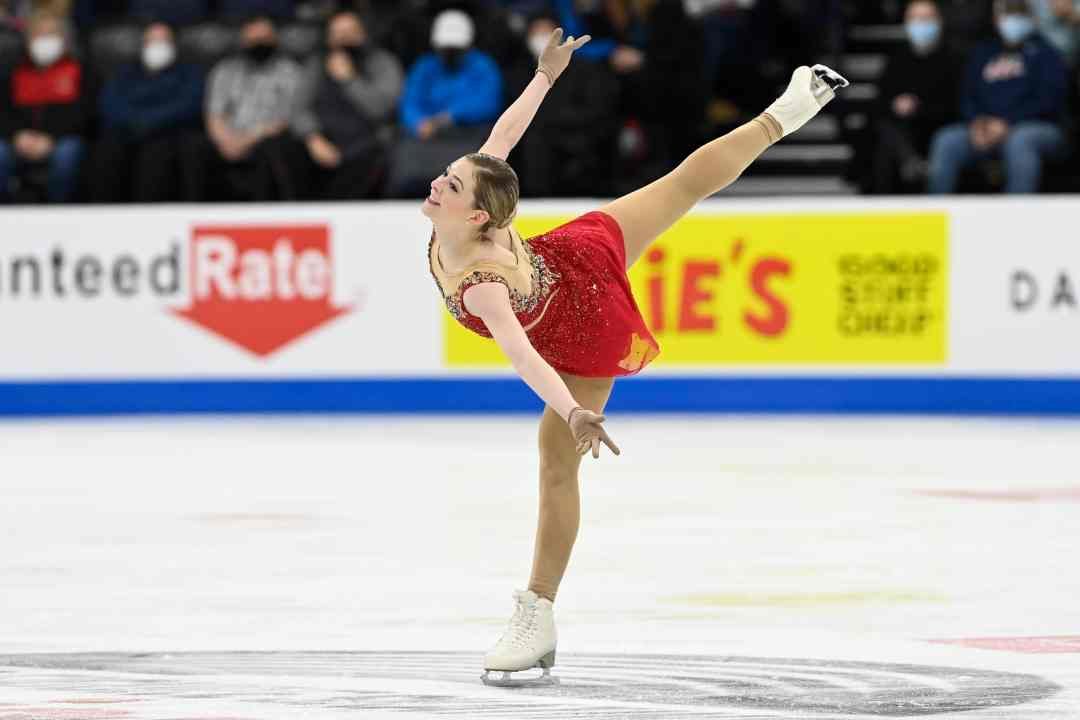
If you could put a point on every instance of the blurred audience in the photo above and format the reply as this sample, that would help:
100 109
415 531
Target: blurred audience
568 148
917 96
277 9
1012 104
250 102
44 113
1059 23
453 95
149 111
348 97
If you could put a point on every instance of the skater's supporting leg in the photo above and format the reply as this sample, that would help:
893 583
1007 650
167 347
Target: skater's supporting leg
560 507
644 214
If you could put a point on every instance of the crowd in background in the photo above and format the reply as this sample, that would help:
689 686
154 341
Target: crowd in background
276 100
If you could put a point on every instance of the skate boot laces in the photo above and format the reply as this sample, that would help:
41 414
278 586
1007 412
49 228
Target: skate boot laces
522 626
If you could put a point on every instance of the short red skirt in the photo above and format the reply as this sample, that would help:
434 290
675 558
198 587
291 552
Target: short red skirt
592 326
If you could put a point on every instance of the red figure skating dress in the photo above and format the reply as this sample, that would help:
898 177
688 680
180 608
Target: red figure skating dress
569 290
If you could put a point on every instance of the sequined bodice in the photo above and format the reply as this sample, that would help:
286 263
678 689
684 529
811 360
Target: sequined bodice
570 292
530 283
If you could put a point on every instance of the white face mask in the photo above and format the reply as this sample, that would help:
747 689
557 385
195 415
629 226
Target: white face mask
537 43
46 49
158 55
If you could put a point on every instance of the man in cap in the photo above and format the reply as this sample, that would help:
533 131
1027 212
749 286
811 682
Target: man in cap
452 96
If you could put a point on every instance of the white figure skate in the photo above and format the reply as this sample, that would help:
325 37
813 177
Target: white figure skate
529 642
810 90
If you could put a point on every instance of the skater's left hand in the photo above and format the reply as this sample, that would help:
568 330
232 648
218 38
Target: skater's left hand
556 55
588 433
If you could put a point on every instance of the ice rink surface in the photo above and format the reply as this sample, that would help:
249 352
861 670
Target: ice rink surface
331 568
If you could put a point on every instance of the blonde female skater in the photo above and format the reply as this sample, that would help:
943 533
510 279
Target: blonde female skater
559 305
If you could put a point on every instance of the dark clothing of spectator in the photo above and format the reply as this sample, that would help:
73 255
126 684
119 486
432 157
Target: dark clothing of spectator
280 9
899 144
353 115
1023 86
174 12
49 100
146 118
140 103
567 150
1015 84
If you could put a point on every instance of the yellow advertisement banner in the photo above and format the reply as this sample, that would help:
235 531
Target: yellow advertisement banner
852 288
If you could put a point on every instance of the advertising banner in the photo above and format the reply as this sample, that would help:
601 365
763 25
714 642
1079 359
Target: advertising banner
905 305
780 289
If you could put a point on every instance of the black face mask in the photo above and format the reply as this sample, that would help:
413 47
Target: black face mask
452 57
260 52
358 53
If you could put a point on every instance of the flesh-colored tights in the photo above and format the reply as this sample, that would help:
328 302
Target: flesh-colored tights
643 215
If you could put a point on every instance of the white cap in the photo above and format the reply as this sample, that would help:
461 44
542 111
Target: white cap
452 29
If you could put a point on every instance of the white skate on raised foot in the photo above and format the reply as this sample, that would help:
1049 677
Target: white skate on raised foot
529 642
810 90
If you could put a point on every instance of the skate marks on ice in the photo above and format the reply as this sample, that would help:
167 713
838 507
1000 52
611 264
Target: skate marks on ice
447 684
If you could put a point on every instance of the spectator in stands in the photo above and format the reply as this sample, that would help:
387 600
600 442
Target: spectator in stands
567 150
149 110
250 102
452 96
1059 23
44 113
174 12
347 99
917 97
1012 105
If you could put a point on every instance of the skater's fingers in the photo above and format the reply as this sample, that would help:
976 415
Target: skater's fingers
609 442
596 448
580 41
556 37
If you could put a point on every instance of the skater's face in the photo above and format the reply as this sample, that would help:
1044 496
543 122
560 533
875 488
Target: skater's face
451 199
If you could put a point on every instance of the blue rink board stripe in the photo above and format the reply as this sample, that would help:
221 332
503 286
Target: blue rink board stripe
891 395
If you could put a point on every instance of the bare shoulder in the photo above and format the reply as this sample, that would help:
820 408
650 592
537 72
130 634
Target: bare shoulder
490 298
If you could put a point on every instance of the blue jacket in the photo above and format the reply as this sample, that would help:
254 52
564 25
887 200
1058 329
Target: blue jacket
142 103
574 24
1027 83
472 95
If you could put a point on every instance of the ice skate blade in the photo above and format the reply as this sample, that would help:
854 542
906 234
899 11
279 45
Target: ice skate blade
506 679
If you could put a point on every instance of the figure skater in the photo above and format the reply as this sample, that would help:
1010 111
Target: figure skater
559 305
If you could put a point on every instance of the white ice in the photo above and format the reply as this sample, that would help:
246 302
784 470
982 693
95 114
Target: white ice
803 538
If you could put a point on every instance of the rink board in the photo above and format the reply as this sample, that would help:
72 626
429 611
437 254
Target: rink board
900 306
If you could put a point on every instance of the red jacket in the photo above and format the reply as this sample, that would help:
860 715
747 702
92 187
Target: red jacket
52 100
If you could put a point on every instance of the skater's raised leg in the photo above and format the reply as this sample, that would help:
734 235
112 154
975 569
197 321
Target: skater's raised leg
644 214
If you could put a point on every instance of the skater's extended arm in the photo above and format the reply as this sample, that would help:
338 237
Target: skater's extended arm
490 302
516 120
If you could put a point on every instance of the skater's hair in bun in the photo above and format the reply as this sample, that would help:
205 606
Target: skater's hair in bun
497 189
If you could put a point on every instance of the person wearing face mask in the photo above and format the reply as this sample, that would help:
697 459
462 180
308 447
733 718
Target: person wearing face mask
568 149
1012 105
918 90
44 113
452 95
148 109
250 101
347 100
1059 23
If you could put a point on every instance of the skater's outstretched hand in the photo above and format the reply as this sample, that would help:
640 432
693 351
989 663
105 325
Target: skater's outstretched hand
588 433
556 55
